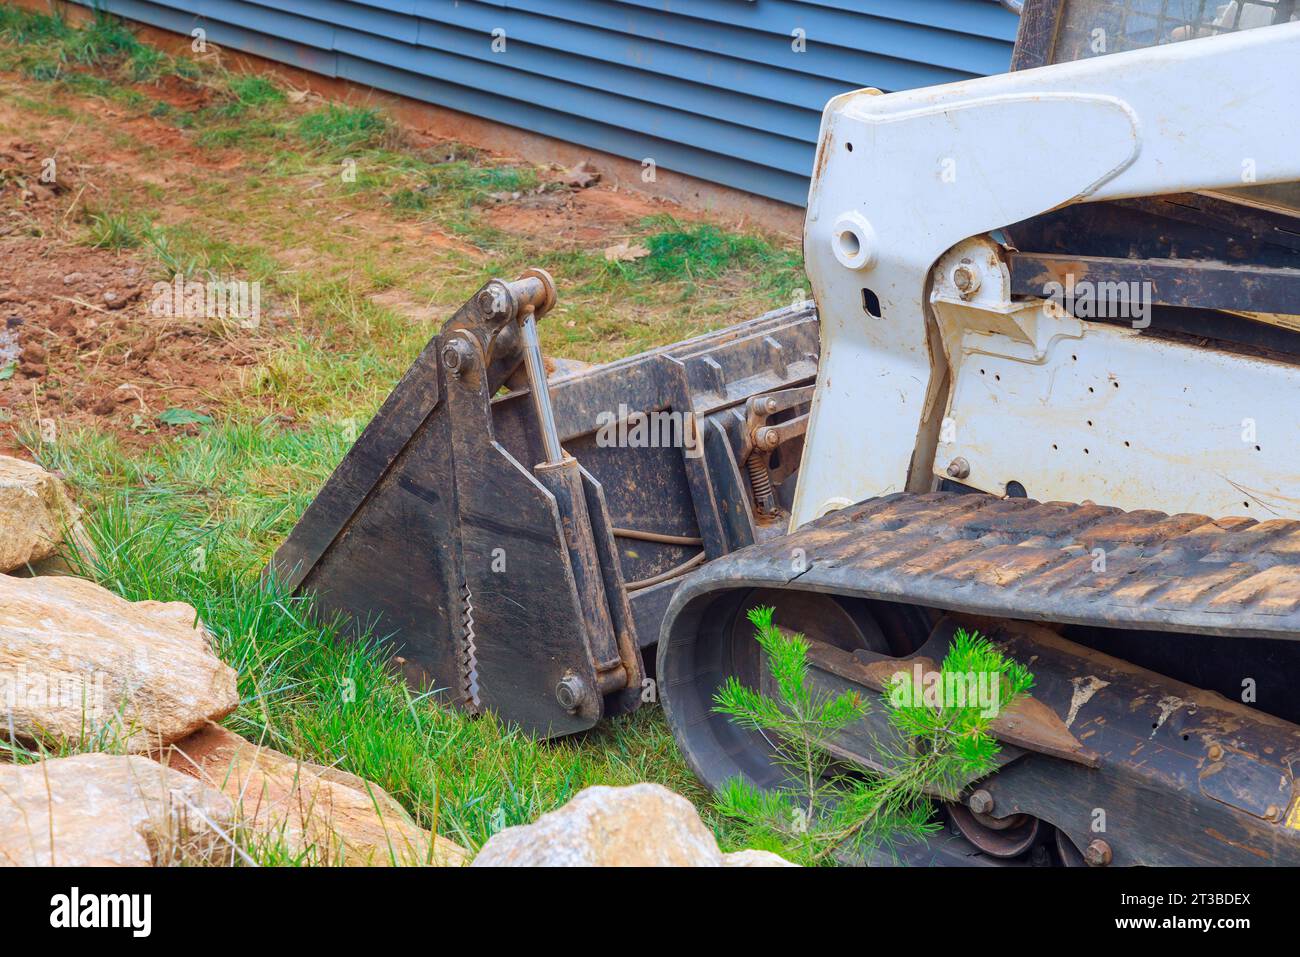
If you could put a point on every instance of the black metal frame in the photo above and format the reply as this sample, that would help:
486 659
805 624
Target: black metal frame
1203 257
1036 38
1041 22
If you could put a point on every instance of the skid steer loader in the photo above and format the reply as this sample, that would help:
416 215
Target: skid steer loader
1050 388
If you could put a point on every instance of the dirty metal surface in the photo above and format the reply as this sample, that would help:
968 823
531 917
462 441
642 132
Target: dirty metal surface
1183 775
1120 735
408 540
1187 283
1049 561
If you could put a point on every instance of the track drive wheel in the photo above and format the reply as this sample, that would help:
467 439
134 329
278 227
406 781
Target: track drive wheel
709 645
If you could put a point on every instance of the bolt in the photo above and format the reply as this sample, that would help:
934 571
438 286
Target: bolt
980 802
457 356
1097 854
494 301
570 692
1272 813
768 438
1215 752
966 279
771 404
958 468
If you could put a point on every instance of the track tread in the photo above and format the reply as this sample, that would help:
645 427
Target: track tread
1041 560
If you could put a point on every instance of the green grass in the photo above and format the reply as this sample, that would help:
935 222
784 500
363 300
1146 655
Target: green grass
703 251
148 64
49 48
194 520
25 27
247 133
114 231
464 185
102 40
251 90
336 127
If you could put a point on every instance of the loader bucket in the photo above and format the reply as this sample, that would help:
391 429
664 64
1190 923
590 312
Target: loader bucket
516 540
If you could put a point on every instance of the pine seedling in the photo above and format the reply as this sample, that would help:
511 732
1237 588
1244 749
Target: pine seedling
941 741
799 725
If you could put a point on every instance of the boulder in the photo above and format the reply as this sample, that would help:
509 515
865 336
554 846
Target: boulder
35 511
643 825
77 661
316 814
105 810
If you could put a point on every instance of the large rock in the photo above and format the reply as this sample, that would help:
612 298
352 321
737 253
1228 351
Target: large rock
77 661
643 825
317 814
35 511
103 810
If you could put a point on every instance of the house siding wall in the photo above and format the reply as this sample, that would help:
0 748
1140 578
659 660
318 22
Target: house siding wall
711 88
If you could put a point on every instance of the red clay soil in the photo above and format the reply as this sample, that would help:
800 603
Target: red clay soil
77 341
583 218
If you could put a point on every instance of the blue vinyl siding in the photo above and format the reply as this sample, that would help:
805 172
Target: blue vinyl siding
711 88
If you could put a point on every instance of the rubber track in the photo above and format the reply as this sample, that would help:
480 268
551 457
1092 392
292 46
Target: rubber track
1050 561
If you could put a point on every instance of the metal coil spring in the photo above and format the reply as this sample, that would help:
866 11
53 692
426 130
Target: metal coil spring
760 482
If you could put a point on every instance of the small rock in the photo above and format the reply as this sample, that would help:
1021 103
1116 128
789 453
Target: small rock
754 858
581 176
644 825
105 406
625 252
144 348
118 297
104 810
323 814
77 660
34 513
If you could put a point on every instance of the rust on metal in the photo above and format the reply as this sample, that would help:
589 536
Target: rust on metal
1032 725
1028 723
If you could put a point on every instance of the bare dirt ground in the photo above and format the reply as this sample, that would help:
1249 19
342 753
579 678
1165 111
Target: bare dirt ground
78 344
580 219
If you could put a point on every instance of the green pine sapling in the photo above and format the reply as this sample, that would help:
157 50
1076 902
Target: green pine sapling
939 740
